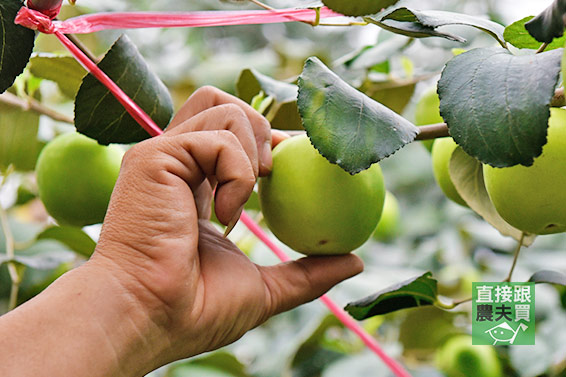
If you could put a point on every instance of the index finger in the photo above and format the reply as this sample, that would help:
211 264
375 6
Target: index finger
208 96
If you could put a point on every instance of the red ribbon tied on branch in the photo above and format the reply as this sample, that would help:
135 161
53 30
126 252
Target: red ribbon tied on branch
91 23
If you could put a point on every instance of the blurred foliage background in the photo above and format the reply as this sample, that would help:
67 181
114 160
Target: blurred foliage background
434 234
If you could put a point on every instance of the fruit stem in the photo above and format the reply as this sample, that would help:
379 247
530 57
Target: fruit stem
515 258
452 305
344 317
9 240
542 48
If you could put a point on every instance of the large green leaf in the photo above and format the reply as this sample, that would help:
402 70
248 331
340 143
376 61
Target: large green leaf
18 138
358 7
467 175
100 116
421 24
418 291
64 70
346 126
496 104
518 36
549 24
16 44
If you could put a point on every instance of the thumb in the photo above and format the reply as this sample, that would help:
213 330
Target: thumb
294 283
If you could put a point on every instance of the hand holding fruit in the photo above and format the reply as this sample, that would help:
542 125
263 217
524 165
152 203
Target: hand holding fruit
163 285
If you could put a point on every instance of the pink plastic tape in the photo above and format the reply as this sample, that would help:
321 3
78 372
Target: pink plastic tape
135 20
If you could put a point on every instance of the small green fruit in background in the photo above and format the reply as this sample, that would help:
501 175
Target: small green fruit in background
315 207
459 358
533 199
75 177
388 226
442 150
428 112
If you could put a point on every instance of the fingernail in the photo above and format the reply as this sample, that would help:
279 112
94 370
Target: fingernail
266 158
233 222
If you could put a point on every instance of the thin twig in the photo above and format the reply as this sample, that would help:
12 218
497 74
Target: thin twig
28 104
261 5
515 258
73 38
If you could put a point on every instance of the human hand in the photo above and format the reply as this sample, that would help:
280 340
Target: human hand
163 283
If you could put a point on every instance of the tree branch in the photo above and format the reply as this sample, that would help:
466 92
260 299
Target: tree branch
30 104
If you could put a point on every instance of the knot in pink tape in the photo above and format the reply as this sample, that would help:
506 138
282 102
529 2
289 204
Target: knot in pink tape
50 8
35 20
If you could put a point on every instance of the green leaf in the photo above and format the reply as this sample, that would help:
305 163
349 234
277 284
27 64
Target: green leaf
346 126
100 116
358 7
216 364
16 44
418 291
285 116
518 36
74 238
251 82
422 24
371 56
394 95
283 113
549 24
312 356
64 70
18 138
496 104
467 175
549 277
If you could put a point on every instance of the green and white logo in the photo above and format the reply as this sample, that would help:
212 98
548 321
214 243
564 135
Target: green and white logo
503 314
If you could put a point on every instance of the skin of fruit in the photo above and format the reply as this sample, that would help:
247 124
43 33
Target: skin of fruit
427 111
315 207
459 358
75 177
442 150
533 199
388 226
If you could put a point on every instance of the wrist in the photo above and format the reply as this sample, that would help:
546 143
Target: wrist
92 321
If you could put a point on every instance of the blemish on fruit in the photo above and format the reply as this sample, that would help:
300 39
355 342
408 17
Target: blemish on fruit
322 242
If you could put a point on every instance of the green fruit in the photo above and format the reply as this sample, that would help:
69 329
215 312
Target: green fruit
388 225
427 111
76 176
315 207
442 150
459 358
533 199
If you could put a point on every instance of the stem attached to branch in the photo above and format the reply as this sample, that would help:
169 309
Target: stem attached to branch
515 258
542 48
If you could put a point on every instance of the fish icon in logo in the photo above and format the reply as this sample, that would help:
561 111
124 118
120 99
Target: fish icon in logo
505 333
